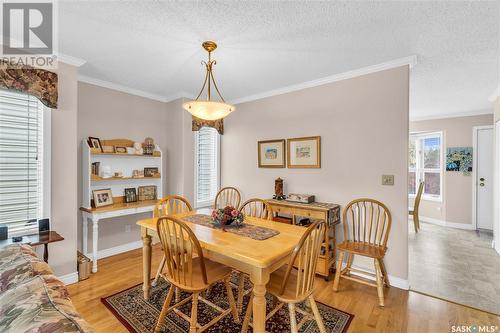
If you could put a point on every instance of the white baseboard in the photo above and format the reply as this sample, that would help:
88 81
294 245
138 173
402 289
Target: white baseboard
446 223
393 280
116 250
69 278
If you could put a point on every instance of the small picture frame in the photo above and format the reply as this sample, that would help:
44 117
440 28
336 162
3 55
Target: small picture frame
94 143
130 194
102 197
304 152
150 172
271 153
147 192
120 150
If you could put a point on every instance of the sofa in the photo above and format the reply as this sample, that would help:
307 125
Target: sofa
32 298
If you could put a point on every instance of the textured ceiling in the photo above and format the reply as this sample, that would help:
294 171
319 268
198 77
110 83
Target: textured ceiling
263 45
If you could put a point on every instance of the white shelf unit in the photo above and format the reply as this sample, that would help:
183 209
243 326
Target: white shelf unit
124 163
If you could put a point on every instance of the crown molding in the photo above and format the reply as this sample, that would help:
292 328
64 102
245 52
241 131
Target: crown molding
495 95
453 115
118 87
410 61
67 59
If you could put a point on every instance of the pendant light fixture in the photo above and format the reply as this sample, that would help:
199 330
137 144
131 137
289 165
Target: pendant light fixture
208 109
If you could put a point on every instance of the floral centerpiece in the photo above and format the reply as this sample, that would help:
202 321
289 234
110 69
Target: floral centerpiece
226 216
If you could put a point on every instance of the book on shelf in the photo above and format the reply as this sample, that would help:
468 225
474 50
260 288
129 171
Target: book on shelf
95 168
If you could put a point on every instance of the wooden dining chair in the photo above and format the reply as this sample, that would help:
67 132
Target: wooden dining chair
294 285
227 196
189 271
414 211
367 223
170 205
255 208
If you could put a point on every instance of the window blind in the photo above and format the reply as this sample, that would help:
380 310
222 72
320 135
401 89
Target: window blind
21 143
207 173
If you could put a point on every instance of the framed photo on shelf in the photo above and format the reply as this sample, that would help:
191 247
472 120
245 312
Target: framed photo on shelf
130 194
271 153
150 172
120 150
94 143
147 192
304 152
102 197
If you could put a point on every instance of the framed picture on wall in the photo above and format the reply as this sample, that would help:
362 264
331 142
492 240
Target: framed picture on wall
271 153
304 152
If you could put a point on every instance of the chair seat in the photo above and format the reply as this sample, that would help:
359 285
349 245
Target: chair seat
363 249
215 272
274 285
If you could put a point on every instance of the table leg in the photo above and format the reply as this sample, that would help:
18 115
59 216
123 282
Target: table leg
95 237
46 252
259 280
146 262
85 233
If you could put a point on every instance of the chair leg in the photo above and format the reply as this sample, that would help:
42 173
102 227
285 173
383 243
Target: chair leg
194 314
241 290
350 258
230 297
293 319
248 315
415 222
417 218
337 272
380 284
160 269
177 295
384 272
317 315
164 309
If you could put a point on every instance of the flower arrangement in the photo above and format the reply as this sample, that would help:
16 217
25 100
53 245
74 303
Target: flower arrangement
226 216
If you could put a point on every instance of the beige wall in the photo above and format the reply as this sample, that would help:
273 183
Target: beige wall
456 206
107 113
363 124
497 109
64 201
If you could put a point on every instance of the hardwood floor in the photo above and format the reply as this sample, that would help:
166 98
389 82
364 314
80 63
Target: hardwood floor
404 311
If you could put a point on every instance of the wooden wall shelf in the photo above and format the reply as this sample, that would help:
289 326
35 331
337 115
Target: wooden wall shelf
95 178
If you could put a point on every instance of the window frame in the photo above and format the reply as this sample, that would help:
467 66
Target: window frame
46 174
421 170
206 203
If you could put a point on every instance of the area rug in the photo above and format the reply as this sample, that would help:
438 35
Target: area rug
139 316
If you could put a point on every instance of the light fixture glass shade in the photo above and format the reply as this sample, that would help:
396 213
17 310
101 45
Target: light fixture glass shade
208 110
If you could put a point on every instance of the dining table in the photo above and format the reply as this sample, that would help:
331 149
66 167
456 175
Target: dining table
255 257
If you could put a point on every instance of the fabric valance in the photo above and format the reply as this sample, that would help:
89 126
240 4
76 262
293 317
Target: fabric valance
217 124
37 82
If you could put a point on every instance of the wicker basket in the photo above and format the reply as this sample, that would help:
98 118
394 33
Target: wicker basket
84 267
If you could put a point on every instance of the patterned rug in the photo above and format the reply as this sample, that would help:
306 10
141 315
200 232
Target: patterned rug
139 316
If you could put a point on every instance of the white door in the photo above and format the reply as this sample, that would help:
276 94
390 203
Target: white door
484 178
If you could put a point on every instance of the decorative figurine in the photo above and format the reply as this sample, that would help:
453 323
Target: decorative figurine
278 189
148 146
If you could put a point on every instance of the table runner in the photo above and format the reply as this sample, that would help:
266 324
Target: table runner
245 229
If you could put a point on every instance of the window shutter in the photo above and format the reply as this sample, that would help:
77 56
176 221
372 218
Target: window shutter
207 166
21 136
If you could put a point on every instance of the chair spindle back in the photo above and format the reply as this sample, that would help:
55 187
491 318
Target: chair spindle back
257 208
227 196
172 205
305 257
367 221
180 245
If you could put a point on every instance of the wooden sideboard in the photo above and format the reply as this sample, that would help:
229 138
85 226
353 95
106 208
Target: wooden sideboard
328 212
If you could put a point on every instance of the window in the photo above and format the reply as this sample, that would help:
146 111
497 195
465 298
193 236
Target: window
23 160
426 164
207 144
